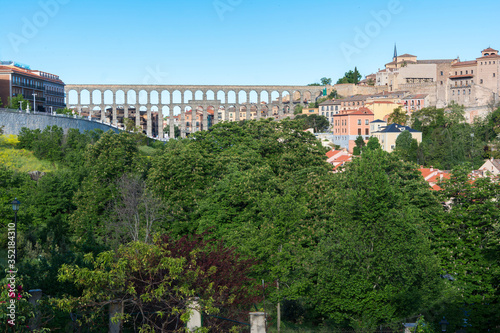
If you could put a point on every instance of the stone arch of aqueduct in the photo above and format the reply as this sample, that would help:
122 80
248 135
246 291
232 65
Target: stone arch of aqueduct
115 103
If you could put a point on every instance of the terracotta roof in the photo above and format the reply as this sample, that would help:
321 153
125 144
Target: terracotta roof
27 72
489 49
491 56
465 63
332 153
435 61
360 111
330 102
464 76
343 158
381 102
417 96
407 55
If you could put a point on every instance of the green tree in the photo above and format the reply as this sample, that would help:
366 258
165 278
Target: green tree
15 102
461 239
350 77
317 122
406 147
326 81
298 109
177 131
105 162
375 264
398 116
65 111
373 144
157 281
360 142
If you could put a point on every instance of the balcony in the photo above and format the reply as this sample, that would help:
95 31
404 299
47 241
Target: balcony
30 97
55 104
55 93
26 85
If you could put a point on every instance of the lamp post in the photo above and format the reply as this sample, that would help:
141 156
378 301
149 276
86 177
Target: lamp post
443 324
15 208
34 102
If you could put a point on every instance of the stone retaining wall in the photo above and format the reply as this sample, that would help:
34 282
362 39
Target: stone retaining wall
13 121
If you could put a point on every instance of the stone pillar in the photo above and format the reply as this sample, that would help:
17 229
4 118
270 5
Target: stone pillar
138 116
195 316
183 122
149 121
103 113
194 118
115 308
248 115
257 322
205 118
237 112
160 121
125 112
36 295
114 115
171 123
226 112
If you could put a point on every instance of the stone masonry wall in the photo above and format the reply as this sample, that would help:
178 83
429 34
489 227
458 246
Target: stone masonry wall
13 121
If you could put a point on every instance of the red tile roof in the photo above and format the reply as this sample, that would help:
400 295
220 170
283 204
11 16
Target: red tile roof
464 76
465 63
26 72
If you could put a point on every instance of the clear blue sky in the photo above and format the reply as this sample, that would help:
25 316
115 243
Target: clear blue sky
247 42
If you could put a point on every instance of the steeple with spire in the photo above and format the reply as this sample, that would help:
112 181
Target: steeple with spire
395 58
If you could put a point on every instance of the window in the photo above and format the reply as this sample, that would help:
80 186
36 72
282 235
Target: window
466 72
469 91
366 121
359 121
458 92
494 74
359 131
481 81
441 82
472 71
460 72
453 92
456 72
392 147
442 73
366 131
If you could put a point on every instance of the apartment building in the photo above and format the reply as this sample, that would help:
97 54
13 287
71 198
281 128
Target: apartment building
45 91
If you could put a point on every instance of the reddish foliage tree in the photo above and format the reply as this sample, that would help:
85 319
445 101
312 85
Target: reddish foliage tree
224 269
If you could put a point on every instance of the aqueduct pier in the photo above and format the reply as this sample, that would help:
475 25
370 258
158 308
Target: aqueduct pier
147 105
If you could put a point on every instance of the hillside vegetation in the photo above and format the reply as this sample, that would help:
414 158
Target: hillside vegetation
226 213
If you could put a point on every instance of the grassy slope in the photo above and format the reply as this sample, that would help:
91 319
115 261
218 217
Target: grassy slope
20 159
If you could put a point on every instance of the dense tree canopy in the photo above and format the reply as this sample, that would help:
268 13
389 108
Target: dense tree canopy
371 246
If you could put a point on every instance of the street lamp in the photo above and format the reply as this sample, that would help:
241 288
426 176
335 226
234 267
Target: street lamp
34 102
15 208
443 324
